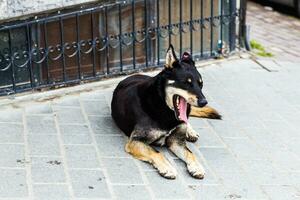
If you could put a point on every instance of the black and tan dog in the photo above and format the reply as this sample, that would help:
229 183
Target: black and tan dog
155 110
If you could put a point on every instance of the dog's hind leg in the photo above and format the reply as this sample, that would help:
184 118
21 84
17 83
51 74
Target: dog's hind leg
144 152
177 144
205 112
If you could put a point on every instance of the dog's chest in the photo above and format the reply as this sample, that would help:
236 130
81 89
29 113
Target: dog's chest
160 136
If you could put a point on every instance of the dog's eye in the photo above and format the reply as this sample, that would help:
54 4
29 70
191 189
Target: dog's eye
189 81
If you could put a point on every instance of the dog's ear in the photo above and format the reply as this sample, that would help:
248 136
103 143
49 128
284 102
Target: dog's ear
170 57
186 57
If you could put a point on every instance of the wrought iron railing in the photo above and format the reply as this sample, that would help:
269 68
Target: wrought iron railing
89 43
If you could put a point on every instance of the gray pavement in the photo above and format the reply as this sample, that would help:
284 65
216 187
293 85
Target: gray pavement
279 33
69 148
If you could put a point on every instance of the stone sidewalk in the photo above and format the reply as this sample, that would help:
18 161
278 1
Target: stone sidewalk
277 32
69 148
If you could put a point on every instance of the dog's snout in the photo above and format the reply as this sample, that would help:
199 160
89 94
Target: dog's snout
202 102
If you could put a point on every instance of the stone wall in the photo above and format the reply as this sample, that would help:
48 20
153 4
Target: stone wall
16 8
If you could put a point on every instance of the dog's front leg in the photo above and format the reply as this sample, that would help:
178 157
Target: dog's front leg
145 152
177 144
191 134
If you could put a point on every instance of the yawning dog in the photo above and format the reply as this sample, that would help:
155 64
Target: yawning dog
155 110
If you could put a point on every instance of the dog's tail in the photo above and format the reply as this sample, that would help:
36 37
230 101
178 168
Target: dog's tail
205 112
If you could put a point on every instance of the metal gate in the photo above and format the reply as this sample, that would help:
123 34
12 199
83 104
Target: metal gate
95 41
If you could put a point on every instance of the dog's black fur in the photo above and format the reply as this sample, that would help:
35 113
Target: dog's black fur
139 100
151 110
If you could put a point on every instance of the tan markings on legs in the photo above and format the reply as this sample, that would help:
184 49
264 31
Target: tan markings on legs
178 146
146 153
205 112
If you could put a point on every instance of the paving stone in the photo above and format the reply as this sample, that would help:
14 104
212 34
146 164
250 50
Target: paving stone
9 116
11 133
103 125
13 183
245 149
95 95
81 156
117 169
165 188
47 170
96 108
50 191
41 124
226 128
70 115
220 160
38 109
237 184
72 101
207 192
75 134
89 184
12 155
45 145
281 192
208 138
132 192
112 146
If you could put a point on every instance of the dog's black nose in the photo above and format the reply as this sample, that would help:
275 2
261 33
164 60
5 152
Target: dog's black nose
202 102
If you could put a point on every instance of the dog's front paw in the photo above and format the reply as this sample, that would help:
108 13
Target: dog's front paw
167 171
191 135
196 170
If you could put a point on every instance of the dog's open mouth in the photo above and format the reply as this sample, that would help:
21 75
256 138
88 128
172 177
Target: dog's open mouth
180 108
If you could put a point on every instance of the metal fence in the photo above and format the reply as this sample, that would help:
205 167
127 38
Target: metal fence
96 41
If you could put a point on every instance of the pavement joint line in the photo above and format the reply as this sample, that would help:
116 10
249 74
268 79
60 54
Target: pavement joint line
144 178
13 143
94 143
27 157
12 168
64 160
51 183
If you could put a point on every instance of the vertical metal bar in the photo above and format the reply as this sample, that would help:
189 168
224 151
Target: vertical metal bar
170 21
46 48
78 46
133 32
221 22
61 29
191 28
120 37
107 40
201 28
93 44
180 27
13 79
28 41
232 7
211 26
146 31
157 32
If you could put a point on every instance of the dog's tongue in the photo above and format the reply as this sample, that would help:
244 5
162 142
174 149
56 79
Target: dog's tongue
182 109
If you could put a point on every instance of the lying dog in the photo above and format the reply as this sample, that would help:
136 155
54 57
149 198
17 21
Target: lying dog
155 110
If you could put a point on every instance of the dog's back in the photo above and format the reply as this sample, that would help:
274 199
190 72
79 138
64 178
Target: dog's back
126 100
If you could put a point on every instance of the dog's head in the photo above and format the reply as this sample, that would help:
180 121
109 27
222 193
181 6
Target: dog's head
184 84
